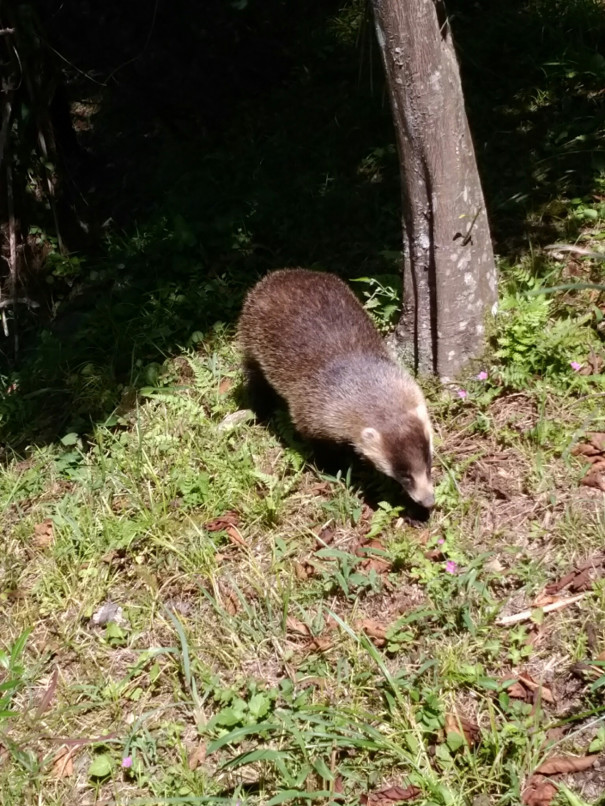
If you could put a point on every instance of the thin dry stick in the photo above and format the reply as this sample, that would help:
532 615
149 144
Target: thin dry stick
49 185
6 116
12 243
577 250
525 615
9 303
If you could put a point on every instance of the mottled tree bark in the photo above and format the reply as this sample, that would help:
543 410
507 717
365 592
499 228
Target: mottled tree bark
449 281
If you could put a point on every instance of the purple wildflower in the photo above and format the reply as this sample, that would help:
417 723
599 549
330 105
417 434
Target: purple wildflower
451 567
575 365
482 376
127 762
441 541
462 393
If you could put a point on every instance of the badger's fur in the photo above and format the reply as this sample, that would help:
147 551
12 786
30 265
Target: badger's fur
308 336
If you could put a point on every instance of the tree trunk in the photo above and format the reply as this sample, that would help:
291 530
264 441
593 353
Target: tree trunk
449 274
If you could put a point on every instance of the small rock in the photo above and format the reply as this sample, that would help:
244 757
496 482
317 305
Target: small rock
494 566
108 612
235 418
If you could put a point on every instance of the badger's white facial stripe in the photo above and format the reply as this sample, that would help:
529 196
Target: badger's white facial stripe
373 449
423 489
421 412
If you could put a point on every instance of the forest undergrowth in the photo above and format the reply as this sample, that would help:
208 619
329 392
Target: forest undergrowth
194 613
191 609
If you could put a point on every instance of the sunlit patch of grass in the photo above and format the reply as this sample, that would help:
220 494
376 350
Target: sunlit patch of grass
201 681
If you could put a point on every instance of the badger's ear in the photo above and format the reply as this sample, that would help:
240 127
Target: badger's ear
372 447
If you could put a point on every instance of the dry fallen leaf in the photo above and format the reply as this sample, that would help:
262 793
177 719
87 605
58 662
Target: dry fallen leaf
63 764
580 579
542 690
44 534
230 518
593 451
390 795
576 581
374 629
326 536
597 440
373 560
234 536
224 386
297 627
560 764
595 479
585 450
227 523
231 602
435 554
539 792
321 643
454 723
517 691
197 756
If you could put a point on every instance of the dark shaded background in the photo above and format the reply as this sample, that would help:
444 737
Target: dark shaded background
216 141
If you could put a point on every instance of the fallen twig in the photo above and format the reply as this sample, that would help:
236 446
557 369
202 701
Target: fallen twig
6 116
12 244
578 250
525 615
31 303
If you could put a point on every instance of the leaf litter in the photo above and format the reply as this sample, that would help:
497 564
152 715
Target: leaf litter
593 452
390 795
540 790
373 558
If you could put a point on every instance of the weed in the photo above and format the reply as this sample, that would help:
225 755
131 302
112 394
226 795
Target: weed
531 341
382 299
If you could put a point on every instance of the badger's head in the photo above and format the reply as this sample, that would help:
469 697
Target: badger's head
404 451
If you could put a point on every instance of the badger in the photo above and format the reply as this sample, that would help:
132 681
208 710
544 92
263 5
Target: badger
308 337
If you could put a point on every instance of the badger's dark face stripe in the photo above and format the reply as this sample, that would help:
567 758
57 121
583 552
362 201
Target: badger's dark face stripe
409 455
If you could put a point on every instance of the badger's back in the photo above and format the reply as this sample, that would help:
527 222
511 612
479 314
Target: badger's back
296 321
318 348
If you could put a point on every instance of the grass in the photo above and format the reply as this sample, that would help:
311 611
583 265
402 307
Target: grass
276 634
190 610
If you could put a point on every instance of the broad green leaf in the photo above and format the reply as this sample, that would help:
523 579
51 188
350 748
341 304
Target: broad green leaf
101 766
